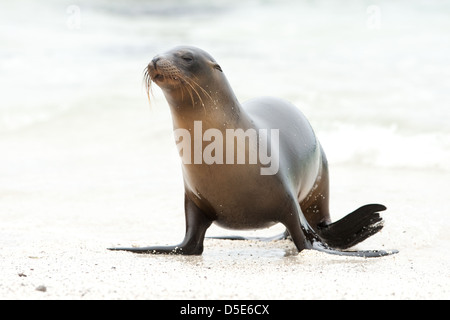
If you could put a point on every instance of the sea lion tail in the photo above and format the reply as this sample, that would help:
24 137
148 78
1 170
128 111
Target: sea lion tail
353 228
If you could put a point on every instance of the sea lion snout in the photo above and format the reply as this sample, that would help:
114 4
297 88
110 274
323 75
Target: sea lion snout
155 61
163 70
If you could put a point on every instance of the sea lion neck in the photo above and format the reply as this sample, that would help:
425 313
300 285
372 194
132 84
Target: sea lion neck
216 108
222 117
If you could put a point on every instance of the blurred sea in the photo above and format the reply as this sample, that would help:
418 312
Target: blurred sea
373 77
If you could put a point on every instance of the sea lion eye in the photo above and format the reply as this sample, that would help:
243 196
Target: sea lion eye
188 58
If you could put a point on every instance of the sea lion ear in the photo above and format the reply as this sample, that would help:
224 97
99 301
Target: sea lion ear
216 66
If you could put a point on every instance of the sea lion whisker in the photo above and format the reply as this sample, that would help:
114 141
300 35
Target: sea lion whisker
192 84
199 96
204 91
182 93
189 90
147 82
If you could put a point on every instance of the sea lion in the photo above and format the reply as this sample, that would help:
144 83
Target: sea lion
240 195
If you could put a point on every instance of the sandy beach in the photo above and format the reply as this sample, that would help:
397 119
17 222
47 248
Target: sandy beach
87 164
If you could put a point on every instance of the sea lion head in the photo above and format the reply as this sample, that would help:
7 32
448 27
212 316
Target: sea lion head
185 72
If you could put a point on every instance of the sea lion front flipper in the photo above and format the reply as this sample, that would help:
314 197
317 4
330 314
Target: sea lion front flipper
152 250
196 225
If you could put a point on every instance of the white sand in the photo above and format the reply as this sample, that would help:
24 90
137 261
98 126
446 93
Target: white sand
73 186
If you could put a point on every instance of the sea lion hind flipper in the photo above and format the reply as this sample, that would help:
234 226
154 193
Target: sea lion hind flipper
353 228
356 253
304 237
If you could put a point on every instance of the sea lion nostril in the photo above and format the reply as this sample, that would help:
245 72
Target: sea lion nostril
155 60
